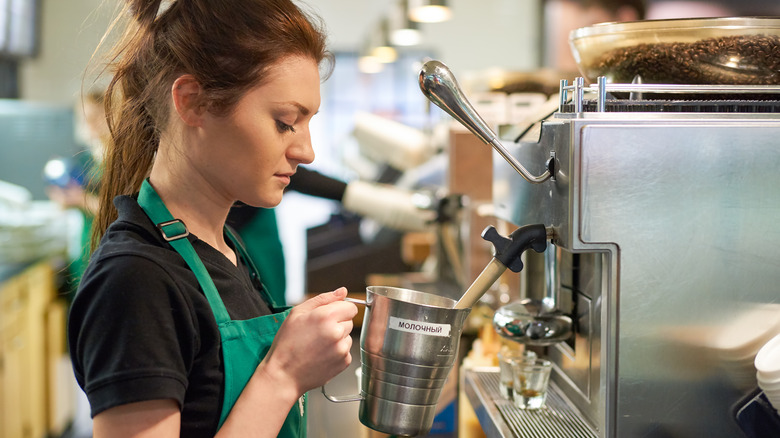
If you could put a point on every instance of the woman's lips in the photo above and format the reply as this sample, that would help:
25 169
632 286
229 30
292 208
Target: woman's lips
285 178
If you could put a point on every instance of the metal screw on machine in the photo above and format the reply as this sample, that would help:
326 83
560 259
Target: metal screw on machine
439 85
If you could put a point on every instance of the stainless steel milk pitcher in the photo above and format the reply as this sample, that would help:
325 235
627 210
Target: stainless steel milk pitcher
408 344
409 340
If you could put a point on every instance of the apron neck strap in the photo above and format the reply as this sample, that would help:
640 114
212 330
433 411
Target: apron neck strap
242 252
175 233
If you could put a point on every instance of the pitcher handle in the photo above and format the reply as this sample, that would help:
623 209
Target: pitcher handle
357 301
341 398
353 397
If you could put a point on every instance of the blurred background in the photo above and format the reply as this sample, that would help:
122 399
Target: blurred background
374 126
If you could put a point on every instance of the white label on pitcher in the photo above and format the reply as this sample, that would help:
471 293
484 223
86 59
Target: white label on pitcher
423 328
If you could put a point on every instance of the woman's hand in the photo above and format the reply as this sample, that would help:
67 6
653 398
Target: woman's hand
313 345
73 196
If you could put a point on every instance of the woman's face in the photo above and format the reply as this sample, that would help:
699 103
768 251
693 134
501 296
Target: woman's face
95 127
251 153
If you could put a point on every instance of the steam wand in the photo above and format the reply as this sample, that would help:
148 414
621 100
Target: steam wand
508 256
439 85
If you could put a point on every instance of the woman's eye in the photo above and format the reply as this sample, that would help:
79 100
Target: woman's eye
284 127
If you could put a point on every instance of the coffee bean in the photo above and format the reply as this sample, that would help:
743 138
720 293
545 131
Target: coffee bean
735 60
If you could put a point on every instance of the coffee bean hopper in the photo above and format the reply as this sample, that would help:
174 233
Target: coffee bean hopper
664 202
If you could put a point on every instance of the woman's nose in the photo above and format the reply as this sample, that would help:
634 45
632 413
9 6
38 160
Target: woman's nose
302 151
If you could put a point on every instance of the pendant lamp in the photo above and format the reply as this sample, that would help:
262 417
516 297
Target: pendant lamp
381 47
403 31
429 11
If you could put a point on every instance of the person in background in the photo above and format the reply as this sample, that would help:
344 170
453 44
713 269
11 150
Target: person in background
563 16
259 229
668 9
171 331
80 193
389 206
661 10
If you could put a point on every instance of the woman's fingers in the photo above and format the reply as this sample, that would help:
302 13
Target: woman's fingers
317 339
323 299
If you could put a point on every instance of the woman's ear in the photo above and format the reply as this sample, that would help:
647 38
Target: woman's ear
187 100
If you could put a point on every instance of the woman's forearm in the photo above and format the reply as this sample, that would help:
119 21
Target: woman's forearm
263 405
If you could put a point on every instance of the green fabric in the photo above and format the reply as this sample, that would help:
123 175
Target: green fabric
78 264
244 342
261 237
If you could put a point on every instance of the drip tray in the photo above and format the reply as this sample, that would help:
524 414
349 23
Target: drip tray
500 418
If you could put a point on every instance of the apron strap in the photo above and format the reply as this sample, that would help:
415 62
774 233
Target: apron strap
242 252
175 233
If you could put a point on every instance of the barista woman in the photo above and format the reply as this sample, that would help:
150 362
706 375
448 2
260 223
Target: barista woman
171 331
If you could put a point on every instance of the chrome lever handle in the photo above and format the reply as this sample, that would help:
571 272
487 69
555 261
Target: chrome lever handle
439 85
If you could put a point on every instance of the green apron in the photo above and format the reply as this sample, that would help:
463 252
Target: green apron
261 237
244 342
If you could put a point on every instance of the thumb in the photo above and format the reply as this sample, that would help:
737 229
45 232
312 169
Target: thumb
323 299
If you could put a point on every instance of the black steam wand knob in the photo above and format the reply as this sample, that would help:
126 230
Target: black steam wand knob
509 251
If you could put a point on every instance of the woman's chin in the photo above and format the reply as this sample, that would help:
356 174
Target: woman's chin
265 202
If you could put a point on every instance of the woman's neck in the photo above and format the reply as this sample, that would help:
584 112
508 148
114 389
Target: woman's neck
191 199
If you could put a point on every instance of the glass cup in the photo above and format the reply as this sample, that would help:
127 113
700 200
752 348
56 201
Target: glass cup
531 379
506 360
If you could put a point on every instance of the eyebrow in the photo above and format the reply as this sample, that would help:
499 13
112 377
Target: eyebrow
302 109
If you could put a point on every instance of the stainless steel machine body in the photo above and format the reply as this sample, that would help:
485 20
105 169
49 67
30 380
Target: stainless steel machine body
667 240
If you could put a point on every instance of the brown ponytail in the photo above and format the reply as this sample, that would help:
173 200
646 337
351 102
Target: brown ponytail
228 46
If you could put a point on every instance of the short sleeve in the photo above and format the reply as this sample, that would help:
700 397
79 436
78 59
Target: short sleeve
132 333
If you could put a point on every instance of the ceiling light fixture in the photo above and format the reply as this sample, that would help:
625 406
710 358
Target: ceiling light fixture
403 31
367 62
429 11
380 44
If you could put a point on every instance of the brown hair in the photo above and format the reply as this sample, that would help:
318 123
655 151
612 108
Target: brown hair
228 46
95 96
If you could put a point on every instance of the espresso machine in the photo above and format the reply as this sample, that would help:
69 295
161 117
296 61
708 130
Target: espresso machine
664 253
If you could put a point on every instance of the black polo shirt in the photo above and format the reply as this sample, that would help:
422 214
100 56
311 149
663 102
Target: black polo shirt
140 328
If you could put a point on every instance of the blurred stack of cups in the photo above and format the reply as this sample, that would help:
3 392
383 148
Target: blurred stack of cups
768 371
523 378
739 339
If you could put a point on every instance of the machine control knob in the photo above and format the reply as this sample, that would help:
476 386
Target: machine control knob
510 249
